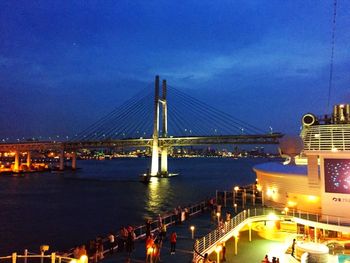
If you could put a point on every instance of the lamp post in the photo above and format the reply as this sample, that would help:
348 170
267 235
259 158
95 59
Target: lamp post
218 250
192 231
218 216
235 205
235 190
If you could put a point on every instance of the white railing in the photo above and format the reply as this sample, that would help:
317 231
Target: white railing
52 258
140 232
208 242
334 137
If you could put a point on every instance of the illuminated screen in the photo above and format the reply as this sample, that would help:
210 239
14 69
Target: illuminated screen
337 175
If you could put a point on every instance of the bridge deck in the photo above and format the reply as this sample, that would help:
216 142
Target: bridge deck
141 142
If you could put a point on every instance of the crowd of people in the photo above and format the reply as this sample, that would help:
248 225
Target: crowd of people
274 260
124 240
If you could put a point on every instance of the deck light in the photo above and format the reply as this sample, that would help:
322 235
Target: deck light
192 231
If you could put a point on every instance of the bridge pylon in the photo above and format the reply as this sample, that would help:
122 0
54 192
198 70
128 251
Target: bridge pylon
155 137
164 149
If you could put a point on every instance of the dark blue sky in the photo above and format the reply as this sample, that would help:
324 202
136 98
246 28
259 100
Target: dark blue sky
64 64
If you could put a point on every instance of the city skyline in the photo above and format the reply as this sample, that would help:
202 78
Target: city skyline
66 64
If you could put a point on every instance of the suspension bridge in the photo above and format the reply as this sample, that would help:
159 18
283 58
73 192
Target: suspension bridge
148 120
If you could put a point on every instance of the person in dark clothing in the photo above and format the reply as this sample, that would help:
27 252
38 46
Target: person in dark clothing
148 228
223 252
130 243
293 247
111 239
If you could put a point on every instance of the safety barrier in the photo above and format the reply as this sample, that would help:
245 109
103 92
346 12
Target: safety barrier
28 258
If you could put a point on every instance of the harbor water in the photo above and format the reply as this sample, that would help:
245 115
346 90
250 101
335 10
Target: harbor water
66 209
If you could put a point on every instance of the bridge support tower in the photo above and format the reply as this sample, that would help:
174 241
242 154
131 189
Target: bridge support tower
74 160
29 159
16 165
164 149
61 166
155 143
155 148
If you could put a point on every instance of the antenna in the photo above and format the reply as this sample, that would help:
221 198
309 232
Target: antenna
332 54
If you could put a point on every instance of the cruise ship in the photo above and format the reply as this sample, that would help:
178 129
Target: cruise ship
314 181
321 183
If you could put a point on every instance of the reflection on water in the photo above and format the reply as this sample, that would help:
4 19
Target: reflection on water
67 209
158 189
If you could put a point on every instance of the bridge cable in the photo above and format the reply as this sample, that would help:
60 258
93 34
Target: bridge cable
117 110
125 120
219 114
92 130
187 112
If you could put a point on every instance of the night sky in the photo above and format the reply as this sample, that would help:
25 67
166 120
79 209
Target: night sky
64 64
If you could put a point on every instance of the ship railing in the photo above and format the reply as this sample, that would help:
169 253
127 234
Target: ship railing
244 196
31 258
171 218
223 232
168 219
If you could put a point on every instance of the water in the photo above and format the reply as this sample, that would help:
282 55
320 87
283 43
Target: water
63 210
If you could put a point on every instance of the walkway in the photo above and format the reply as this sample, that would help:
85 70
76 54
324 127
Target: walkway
247 251
184 246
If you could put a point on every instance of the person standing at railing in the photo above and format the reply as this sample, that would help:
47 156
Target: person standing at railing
179 213
92 250
228 216
187 213
111 240
163 232
130 242
76 252
213 216
148 228
99 249
176 214
149 247
156 250
82 251
160 221
122 238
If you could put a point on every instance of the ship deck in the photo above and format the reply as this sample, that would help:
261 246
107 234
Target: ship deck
253 251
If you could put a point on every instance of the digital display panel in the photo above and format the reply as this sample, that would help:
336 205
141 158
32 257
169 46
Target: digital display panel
337 176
